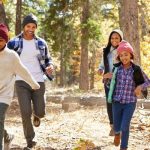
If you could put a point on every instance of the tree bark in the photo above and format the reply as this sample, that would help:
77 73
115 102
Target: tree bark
2 13
92 68
128 17
62 68
84 78
18 17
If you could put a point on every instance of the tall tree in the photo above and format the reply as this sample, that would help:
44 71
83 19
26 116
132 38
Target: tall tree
18 16
84 78
2 13
60 29
128 17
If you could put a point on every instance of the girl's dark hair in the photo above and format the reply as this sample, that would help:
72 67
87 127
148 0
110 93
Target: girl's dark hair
107 49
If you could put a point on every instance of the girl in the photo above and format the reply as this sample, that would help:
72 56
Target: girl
125 93
105 68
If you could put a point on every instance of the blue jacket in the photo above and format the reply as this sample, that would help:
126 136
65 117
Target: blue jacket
44 58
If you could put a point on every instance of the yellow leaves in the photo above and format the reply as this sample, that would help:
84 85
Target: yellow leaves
85 145
145 55
3 1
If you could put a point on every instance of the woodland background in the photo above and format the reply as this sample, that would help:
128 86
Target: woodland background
77 31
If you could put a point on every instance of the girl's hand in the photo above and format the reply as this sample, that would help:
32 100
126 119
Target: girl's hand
108 75
138 90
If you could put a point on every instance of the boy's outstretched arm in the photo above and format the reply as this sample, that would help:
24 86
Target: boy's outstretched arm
22 71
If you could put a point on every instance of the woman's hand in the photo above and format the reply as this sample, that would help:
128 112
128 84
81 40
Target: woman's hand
108 75
100 71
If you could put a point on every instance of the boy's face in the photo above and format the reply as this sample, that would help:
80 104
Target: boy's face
2 43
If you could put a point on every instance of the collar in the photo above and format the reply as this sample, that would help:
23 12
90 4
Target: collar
21 36
112 49
130 67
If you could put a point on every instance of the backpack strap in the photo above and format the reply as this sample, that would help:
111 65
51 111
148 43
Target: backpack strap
112 85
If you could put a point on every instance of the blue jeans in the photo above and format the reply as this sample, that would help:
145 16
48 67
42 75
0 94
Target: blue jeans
122 114
3 109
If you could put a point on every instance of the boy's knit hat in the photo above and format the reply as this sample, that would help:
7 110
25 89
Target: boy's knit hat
4 32
124 46
119 32
29 19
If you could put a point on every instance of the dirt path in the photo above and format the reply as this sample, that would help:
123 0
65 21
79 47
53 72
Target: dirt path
63 130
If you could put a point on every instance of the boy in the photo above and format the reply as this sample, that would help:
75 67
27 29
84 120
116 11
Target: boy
10 65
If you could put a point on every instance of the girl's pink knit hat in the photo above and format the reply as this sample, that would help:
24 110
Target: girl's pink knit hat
4 32
124 46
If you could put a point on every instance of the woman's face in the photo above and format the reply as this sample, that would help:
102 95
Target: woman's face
115 39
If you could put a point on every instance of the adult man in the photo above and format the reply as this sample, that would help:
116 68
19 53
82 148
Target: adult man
10 65
34 54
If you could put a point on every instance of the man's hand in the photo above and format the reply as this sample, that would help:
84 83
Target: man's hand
49 69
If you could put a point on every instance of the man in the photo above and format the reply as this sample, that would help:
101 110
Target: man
34 55
10 65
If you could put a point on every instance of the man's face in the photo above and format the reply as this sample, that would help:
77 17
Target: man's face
29 30
2 43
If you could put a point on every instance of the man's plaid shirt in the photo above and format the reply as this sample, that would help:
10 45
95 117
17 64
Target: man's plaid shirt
16 44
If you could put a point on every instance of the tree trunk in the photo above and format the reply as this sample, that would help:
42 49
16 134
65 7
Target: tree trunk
18 17
84 78
92 68
2 13
128 17
142 19
62 68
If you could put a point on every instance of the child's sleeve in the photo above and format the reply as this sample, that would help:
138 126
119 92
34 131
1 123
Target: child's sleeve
146 83
101 65
22 71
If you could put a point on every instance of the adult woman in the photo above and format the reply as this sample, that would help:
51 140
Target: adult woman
106 66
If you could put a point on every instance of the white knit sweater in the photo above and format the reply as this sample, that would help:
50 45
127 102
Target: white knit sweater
10 65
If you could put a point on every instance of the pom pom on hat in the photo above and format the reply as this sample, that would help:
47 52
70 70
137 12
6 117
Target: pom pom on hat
4 32
29 19
124 46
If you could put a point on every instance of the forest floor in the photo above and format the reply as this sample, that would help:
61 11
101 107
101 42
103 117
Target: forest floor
83 127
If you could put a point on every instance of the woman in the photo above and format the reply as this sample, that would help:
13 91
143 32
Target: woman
106 66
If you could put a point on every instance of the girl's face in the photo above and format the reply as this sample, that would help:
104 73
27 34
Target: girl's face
115 39
125 58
